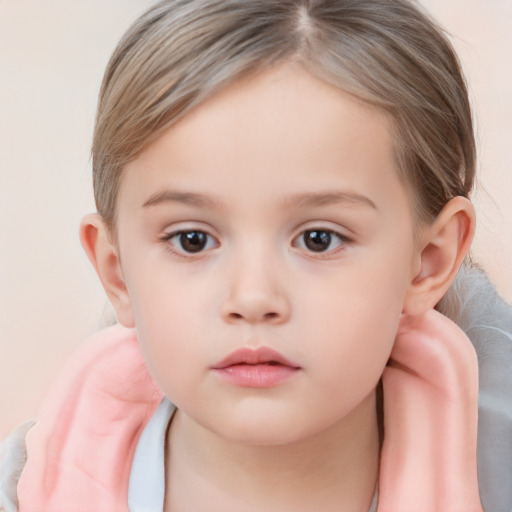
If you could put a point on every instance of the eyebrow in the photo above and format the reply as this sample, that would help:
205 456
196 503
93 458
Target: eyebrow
174 196
309 199
331 197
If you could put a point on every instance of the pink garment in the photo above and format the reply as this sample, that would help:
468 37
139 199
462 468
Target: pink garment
81 450
428 461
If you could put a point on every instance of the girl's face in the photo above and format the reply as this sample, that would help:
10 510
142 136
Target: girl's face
270 216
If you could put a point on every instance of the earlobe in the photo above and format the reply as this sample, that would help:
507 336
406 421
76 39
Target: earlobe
105 259
443 247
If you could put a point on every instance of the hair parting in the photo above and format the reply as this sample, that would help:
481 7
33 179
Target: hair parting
388 53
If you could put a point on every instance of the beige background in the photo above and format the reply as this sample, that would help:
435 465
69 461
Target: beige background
52 55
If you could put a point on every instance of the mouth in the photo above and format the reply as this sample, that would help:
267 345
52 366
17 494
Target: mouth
259 356
256 368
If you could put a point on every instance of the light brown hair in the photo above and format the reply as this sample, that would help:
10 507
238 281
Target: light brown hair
388 53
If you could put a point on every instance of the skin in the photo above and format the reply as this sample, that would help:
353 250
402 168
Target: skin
254 168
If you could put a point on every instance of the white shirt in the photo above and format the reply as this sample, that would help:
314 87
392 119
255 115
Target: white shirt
146 491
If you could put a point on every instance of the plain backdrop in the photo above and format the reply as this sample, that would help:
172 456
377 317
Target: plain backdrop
52 56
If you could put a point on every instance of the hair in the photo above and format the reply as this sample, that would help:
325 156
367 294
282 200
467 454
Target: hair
388 53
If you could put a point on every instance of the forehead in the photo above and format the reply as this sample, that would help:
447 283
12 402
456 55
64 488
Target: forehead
280 132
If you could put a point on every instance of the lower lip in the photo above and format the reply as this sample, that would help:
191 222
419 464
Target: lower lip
257 375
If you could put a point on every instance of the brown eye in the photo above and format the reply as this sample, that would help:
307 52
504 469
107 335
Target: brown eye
191 242
319 240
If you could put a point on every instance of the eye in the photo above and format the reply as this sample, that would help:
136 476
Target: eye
319 240
192 241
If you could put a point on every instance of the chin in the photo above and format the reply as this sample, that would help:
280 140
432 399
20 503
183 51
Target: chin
262 437
278 430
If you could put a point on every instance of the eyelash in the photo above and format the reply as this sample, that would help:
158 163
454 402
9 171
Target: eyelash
342 241
172 247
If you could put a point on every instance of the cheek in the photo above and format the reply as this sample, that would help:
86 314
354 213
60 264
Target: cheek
166 301
356 323
170 320
358 339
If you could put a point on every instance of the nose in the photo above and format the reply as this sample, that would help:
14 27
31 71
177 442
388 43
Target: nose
255 295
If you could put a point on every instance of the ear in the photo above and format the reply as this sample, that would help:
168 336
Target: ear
443 246
104 257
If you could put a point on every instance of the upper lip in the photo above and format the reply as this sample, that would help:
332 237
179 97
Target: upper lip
259 355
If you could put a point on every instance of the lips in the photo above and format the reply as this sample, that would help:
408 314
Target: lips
262 355
256 368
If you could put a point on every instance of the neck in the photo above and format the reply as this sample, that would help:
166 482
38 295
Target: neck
332 470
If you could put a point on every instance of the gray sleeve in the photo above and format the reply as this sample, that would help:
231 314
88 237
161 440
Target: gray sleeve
477 308
13 456
495 421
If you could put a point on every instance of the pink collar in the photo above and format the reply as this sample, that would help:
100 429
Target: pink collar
81 450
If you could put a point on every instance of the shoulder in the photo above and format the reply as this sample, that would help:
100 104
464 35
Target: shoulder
474 304
13 455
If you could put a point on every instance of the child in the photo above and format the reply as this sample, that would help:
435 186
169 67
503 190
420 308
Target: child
282 192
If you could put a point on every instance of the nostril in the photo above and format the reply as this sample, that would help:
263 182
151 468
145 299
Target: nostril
267 316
